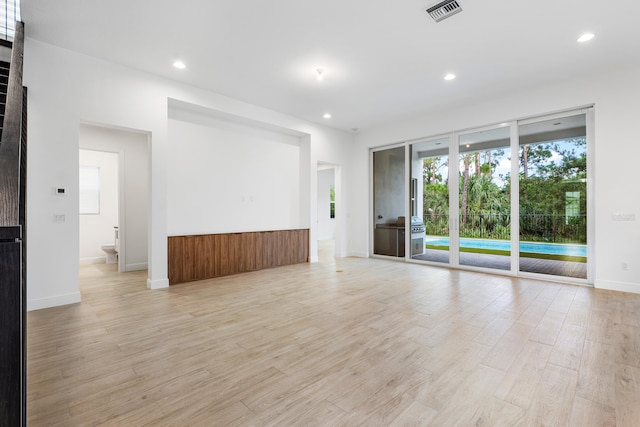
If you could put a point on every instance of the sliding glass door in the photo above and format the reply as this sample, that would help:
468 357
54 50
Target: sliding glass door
553 196
429 198
512 197
484 217
389 202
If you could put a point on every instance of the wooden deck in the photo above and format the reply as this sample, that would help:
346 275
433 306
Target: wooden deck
500 262
346 342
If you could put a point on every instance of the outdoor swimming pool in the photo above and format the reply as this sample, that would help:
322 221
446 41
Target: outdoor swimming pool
567 249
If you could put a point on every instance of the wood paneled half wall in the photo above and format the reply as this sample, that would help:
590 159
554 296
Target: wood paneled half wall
205 256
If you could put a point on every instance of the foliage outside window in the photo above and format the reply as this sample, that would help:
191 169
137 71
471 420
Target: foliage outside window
332 202
552 193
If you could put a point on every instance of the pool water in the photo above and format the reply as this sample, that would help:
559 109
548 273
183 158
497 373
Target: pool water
568 249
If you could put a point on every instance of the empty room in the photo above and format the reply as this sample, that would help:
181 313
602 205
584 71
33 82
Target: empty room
294 213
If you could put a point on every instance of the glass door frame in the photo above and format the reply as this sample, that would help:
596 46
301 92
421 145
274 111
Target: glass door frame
588 112
372 219
454 197
449 137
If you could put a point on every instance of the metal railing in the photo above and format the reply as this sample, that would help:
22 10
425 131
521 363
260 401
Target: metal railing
9 14
533 227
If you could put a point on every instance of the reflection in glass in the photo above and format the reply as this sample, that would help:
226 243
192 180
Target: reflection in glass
389 202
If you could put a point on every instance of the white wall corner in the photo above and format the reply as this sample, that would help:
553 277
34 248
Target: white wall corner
618 286
158 284
40 303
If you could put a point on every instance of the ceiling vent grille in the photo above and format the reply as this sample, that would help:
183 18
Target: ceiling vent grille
444 9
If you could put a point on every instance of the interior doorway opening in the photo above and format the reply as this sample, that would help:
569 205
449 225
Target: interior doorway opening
327 222
114 213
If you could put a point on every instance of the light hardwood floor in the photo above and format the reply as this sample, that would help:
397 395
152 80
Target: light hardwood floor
338 343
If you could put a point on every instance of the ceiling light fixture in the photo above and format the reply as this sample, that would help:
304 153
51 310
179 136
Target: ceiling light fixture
320 74
586 37
179 65
450 76
326 115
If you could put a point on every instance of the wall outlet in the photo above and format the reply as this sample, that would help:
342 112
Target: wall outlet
59 218
625 265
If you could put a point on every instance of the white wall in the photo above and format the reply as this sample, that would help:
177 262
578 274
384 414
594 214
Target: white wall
615 95
133 153
229 177
67 89
97 229
326 224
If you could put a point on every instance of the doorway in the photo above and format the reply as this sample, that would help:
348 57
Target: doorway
326 215
132 152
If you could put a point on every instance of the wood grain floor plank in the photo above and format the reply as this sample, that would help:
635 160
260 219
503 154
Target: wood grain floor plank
587 413
596 378
522 377
628 344
627 395
505 352
553 401
343 342
567 351
547 330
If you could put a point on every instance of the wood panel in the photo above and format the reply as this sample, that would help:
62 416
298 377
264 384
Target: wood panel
11 133
200 257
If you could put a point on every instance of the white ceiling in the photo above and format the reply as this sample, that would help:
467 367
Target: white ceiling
384 60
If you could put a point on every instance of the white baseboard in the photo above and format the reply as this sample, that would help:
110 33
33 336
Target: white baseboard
618 286
158 284
358 254
40 303
93 260
136 267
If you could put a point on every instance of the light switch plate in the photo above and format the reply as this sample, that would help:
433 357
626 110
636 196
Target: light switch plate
624 217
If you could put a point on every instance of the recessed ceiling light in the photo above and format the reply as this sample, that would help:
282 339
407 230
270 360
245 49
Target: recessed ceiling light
327 116
320 74
450 76
586 37
179 65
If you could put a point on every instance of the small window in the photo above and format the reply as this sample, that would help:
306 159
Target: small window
332 203
89 190
9 14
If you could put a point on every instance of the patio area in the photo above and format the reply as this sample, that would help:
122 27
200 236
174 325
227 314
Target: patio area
501 262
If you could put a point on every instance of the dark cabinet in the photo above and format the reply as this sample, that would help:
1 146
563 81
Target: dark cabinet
389 240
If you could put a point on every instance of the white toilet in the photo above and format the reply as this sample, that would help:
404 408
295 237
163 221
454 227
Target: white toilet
111 249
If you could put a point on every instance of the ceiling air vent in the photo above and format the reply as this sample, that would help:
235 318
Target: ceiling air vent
444 9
